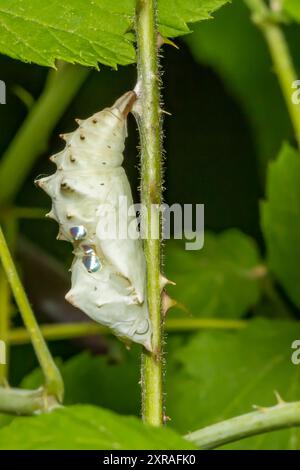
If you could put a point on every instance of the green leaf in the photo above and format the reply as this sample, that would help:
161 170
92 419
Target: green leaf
242 60
292 7
218 375
5 419
80 31
86 427
219 280
86 31
96 380
281 220
210 376
174 16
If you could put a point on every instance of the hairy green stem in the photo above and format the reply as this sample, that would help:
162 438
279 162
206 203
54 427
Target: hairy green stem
281 57
62 331
52 375
31 139
149 120
25 402
283 415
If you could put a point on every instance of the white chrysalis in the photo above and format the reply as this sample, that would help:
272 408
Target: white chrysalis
108 274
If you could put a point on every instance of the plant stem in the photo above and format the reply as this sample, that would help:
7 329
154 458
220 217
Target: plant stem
281 57
59 331
62 331
25 402
53 378
31 139
24 212
192 324
4 323
149 120
11 229
283 415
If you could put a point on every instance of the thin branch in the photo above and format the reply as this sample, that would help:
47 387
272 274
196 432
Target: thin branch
281 57
32 138
52 375
11 230
192 324
4 322
24 212
61 331
283 415
25 402
149 121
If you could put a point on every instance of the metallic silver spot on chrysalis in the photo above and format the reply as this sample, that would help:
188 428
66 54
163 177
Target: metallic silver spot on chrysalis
78 232
91 263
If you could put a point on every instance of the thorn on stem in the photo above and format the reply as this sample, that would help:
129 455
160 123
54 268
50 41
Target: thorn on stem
167 302
163 281
279 399
166 419
130 28
163 111
161 40
263 409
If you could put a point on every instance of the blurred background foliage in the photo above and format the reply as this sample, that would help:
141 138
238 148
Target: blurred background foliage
228 122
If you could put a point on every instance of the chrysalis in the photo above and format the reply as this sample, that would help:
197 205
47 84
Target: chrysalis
108 274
